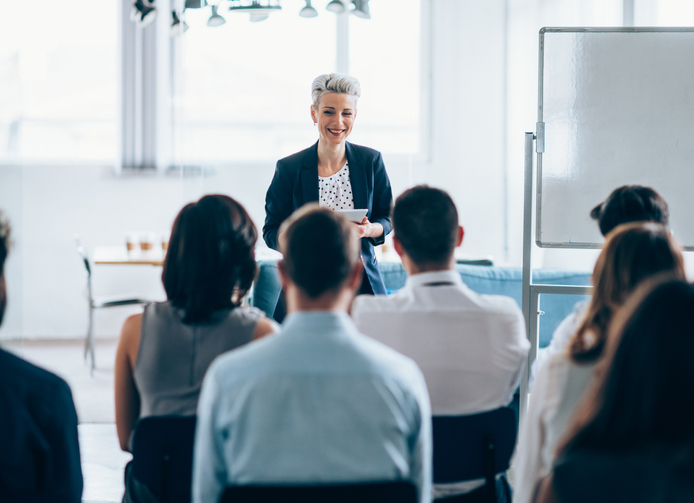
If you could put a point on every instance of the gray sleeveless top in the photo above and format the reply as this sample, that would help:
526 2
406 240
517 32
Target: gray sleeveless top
173 357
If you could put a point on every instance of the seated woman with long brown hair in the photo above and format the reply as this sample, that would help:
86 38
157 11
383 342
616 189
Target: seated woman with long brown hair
164 352
632 440
632 253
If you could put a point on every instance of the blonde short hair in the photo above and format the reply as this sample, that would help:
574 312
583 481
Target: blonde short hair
334 83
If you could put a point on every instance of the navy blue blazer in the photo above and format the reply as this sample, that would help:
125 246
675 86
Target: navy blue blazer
39 448
295 183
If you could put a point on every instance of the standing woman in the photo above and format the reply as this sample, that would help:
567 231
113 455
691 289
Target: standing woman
336 174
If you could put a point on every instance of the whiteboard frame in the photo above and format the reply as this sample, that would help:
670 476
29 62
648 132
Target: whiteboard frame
540 126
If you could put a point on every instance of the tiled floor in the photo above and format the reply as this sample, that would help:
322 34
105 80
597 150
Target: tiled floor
102 463
102 459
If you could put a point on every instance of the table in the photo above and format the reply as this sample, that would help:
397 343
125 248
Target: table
118 255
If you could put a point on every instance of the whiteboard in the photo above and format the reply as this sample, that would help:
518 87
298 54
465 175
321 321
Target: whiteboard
618 108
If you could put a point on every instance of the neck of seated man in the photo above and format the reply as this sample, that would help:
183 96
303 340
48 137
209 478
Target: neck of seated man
298 300
412 268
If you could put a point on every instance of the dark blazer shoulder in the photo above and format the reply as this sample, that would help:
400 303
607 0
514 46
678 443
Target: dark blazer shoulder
366 153
300 158
17 370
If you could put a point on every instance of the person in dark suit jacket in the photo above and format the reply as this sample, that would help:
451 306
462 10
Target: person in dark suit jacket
39 450
336 174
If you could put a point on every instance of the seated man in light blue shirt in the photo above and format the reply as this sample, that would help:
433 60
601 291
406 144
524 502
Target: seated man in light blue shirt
318 403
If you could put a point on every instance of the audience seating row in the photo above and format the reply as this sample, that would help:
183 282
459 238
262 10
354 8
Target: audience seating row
465 448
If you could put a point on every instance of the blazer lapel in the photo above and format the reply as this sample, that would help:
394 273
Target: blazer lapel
357 177
309 175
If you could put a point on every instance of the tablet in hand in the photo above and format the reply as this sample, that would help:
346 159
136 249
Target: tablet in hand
353 215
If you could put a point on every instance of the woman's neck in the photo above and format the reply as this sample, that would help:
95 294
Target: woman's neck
331 158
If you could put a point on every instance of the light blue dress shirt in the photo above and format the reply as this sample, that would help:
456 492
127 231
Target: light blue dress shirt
317 403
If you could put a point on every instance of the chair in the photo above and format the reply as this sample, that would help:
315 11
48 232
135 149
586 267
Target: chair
474 447
163 456
378 492
98 304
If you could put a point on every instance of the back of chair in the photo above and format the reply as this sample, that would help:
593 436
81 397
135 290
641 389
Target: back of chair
473 447
85 258
163 456
380 492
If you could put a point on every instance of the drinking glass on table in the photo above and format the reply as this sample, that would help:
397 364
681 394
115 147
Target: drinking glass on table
165 240
132 241
147 241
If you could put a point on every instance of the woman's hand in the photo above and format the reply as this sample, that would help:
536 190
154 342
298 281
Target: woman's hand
368 230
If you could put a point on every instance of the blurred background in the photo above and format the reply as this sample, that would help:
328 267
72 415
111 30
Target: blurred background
108 125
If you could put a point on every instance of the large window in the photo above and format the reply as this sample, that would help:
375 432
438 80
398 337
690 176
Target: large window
384 53
243 89
58 78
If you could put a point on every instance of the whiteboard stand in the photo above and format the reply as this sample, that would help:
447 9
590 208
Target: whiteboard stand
615 107
531 292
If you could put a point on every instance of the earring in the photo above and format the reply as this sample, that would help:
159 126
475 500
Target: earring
314 123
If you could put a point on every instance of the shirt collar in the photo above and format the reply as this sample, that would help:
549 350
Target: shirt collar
323 320
424 278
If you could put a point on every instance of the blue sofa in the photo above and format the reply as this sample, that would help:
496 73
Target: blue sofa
482 279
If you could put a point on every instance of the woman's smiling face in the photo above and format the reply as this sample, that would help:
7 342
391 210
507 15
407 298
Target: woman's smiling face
335 116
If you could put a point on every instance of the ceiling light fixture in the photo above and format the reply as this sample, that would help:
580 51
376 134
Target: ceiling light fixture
178 27
308 10
335 6
143 13
259 10
361 9
215 18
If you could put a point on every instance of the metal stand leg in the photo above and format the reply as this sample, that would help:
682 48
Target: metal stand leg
89 341
530 319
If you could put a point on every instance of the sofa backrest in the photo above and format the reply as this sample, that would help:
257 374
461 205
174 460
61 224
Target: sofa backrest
484 280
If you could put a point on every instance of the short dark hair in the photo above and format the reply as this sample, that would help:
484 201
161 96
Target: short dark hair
210 263
425 222
630 203
320 249
4 249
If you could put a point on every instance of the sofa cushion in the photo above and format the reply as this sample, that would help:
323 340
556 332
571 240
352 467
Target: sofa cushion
485 280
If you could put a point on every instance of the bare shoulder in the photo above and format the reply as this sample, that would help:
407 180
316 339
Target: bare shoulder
129 342
265 326
132 326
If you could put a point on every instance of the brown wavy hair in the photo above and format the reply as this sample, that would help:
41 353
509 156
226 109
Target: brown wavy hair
633 252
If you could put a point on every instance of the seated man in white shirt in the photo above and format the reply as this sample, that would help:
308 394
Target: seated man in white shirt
470 347
318 403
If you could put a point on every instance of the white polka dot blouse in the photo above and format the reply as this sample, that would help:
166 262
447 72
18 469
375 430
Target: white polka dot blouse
335 192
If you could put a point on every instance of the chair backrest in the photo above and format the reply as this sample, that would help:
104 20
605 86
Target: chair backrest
377 492
85 258
163 456
474 446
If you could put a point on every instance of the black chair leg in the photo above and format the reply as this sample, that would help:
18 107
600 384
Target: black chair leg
490 451
165 465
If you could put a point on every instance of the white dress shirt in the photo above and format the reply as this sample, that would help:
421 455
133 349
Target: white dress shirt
559 385
561 338
470 347
318 402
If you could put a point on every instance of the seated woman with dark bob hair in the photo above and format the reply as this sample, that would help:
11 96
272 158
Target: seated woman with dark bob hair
633 439
164 352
